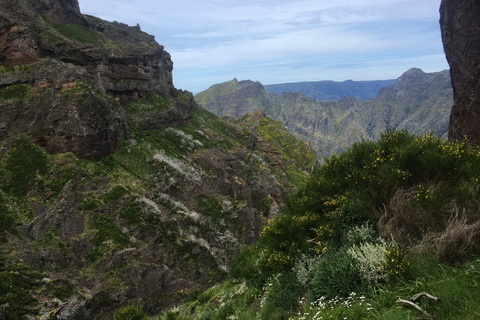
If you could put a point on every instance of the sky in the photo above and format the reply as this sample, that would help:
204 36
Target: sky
282 41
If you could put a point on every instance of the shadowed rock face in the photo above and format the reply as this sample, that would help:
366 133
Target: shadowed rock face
461 40
64 113
111 62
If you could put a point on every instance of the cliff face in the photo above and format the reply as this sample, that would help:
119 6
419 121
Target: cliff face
67 75
459 24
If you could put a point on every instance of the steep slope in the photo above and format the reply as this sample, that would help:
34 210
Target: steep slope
284 150
163 215
174 191
64 74
419 102
333 90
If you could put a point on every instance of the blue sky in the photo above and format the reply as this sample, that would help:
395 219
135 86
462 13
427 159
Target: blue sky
278 41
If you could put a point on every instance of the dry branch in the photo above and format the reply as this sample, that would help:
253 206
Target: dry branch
410 303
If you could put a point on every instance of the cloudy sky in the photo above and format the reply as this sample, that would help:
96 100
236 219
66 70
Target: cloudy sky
278 41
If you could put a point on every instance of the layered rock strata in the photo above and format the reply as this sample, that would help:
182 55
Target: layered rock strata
74 72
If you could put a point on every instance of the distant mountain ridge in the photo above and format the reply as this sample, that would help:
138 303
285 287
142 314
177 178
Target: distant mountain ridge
418 102
333 90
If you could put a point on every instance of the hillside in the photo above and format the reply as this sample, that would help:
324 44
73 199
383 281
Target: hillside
418 102
115 187
386 230
332 90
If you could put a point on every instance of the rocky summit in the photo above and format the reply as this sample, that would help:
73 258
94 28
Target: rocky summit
65 76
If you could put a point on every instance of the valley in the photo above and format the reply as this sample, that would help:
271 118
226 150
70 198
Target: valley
123 197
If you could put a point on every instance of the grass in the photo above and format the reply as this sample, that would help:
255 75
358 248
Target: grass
76 32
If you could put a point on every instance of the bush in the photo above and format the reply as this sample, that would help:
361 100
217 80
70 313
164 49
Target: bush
281 293
336 275
24 162
370 260
131 312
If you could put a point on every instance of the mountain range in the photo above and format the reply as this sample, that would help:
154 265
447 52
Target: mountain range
418 102
332 90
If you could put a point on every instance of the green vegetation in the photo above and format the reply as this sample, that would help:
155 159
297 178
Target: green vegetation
382 221
131 312
25 161
76 32
134 210
50 38
17 91
333 126
23 67
152 103
16 279
218 90
298 155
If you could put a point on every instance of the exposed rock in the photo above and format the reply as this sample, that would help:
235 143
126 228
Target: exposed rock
459 25
106 59
64 113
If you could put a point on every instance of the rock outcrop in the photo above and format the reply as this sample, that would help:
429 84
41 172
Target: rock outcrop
65 76
460 24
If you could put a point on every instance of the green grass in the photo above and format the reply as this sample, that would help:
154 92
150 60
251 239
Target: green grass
152 103
78 33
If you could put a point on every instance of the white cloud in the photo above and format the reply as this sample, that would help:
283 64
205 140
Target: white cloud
213 39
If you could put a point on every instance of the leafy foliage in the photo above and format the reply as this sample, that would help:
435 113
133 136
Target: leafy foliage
25 161
17 91
131 312
16 279
351 189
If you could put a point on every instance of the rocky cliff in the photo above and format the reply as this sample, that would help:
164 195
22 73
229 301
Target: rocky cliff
459 25
419 102
64 76
174 191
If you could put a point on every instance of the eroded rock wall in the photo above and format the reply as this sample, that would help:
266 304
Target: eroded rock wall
461 40
70 101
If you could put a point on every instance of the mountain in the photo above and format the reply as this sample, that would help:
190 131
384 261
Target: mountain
332 90
418 102
115 187
65 76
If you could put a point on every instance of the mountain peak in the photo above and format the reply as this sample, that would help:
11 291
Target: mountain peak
58 11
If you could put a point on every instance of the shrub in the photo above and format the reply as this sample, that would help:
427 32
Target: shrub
336 275
25 161
360 234
370 260
131 312
281 293
457 242
18 91
304 267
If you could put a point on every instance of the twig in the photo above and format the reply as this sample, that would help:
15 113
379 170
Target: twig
410 303
424 294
